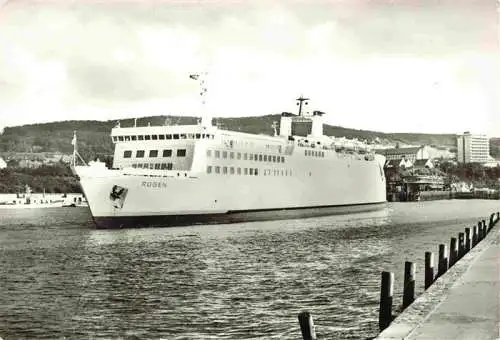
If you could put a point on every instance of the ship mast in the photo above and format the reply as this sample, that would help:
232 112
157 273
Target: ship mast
300 102
76 155
206 117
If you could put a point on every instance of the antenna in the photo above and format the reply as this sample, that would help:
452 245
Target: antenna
206 118
300 102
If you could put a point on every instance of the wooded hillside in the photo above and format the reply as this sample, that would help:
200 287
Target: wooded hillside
94 140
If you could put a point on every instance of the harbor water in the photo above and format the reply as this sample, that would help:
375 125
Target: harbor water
60 278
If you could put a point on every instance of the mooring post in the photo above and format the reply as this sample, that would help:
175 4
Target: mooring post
498 215
490 225
386 291
479 231
443 260
461 245
429 269
409 284
453 251
485 229
467 240
474 236
307 326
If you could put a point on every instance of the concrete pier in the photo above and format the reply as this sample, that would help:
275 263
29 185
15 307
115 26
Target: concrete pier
464 303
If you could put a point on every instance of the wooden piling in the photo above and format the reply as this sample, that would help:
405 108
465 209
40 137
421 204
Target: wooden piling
474 236
479 231
443 260
461 245
467 240
409 284
453 251
485 229
429 269
307 326
386 291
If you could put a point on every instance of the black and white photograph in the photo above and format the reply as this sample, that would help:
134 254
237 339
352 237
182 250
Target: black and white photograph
260 169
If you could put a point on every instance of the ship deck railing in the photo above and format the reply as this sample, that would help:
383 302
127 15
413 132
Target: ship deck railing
157 173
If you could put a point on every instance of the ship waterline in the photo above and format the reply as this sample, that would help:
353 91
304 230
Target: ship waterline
187 174
133 221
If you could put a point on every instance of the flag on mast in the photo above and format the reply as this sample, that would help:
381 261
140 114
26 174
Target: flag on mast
73 141
194 76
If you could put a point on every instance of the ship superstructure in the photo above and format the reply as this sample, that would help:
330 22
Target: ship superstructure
183 174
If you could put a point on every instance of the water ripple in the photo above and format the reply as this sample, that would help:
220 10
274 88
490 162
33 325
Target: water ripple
61 278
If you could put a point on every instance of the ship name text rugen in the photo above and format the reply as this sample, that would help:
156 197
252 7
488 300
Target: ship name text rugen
158 185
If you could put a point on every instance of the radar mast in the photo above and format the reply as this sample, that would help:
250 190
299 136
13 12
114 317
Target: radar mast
206 117
300 102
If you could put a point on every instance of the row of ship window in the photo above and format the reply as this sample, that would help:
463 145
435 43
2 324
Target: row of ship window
163 137
245 156
177 136
154 153
224 170
314 153
155 166
231 170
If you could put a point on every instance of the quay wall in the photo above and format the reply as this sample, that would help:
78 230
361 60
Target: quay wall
442 195
405 325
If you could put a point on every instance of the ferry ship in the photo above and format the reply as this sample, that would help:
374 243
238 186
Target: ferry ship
198 174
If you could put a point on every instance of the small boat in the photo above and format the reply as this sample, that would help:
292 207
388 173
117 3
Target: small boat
28 199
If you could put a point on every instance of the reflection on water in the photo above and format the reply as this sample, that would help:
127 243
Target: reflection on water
62 278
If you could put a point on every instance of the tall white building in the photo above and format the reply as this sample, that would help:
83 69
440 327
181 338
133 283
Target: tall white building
472 148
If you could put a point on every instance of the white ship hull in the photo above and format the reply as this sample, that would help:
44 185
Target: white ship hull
340 186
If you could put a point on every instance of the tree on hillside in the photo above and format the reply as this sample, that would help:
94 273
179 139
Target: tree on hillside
94 136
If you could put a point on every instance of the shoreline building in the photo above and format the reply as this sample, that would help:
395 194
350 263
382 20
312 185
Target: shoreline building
473 148
409 154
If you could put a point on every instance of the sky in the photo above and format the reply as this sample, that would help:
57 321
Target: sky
391 66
